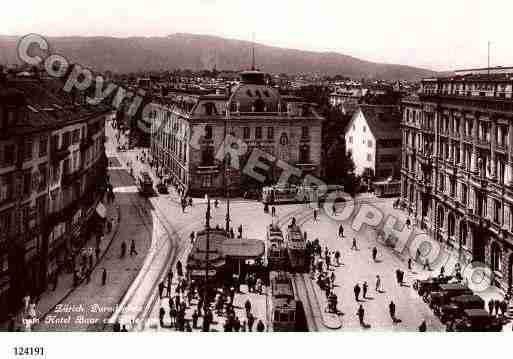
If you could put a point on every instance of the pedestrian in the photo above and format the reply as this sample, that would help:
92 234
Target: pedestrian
273 211
391 309
356 290
162 313
423 326
251 321
195 319
491 306
124 330
341 231
192 237
216 203
247 306
123 249
504 307
442 271
260 326
169 282
365 288
426 265
132 248
161 289
332 279
104 276
374 253
378 284
97 253
337 257
497 305
240 231
409 263
179 269
361 314
315 215
334 209
354 246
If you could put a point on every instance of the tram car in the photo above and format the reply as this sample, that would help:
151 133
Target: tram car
284 303
145 184
275 195
276 251
296 249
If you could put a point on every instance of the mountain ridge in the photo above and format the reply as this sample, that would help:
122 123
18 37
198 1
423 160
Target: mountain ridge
198 52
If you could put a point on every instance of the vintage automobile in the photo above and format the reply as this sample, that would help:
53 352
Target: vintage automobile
445 293
477 320
162 188
456 307
426 286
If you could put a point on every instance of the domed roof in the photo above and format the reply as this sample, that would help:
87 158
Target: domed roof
254 95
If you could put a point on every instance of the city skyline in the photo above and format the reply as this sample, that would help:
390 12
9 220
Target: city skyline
427 39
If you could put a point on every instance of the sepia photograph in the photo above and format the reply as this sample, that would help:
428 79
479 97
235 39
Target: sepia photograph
261 167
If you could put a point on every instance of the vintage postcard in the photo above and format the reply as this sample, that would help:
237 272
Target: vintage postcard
232 166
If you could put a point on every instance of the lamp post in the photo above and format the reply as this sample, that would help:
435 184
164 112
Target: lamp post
225 181
207 264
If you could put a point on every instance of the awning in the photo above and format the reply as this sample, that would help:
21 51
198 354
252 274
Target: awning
101 210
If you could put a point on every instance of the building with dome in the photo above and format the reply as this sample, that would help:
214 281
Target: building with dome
188 132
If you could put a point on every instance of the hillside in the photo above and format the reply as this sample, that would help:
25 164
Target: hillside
198 52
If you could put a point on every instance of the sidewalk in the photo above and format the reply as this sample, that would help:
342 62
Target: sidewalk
492 293
51 298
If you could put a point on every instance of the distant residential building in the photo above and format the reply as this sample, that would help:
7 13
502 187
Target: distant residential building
373 138
457 165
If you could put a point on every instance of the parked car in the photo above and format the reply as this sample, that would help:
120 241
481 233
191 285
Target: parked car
477 320
445 293
426 286
456 307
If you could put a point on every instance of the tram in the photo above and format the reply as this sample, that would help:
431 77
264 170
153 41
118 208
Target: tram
276 251
284 303
145 184
296 249
388 188
273 195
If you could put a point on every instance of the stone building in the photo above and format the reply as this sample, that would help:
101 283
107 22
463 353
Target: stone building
188 132
457 163
52 161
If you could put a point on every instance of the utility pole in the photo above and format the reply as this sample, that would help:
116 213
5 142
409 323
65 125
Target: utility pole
488 58
207 264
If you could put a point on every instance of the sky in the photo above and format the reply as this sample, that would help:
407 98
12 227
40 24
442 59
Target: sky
435 34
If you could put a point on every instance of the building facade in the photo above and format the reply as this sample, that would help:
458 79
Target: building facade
373 138
457 161
189 131
51 159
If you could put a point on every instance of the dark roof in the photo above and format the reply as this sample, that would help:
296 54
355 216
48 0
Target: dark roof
383 121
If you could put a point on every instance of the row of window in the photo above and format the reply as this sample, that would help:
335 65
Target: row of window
246 133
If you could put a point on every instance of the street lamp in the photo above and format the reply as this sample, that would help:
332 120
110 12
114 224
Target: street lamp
207 264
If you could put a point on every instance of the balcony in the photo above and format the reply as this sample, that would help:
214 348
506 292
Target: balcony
207 169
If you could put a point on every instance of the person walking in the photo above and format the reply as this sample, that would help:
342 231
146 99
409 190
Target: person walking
315 215
260 326
169 282
161 289
162 313
378 284
361 315
391 309
104 276
409 263
365 288
491 306
341 231
374 253
354 246
123 249
179 269
357 290
132 248
334 209
247 306
497 305
273 211
337 258
192 237
97 253
423 326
